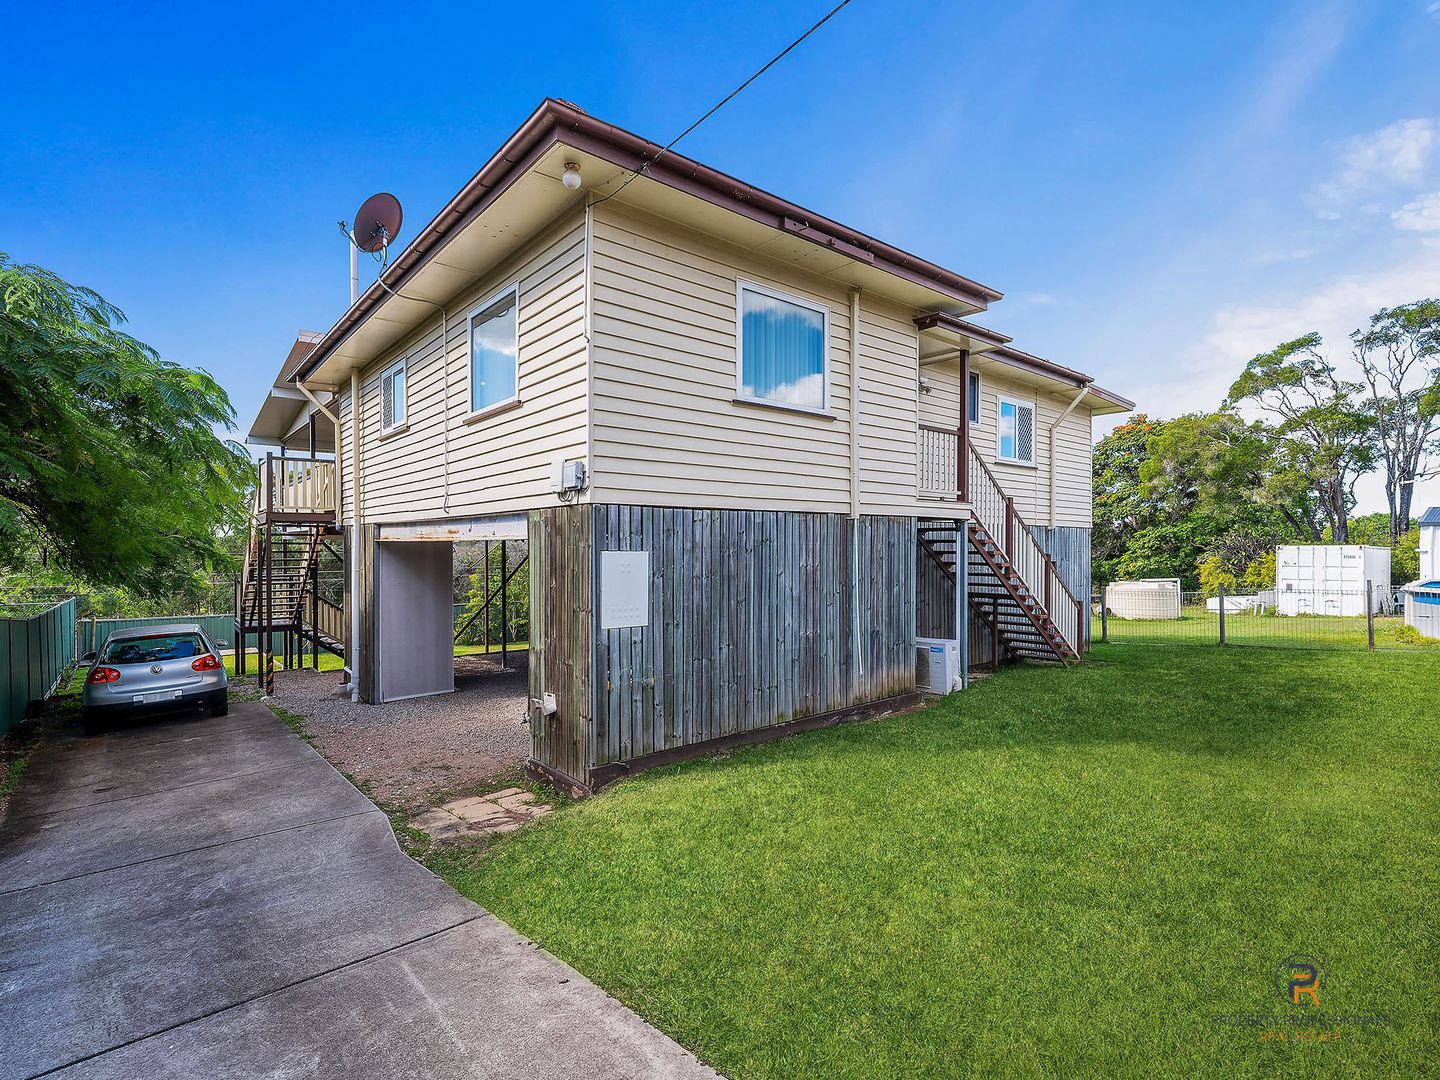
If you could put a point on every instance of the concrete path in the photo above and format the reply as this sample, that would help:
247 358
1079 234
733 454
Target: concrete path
204 898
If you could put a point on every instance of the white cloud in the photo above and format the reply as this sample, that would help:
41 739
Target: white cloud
1422 214
1434 9
1400 155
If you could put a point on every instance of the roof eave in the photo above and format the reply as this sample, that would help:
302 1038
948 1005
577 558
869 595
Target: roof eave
557 122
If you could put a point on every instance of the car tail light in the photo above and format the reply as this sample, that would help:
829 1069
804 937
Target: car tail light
208 662
104 675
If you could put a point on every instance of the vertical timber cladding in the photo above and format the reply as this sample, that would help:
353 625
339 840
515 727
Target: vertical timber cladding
1069 546
752 623
934 597
561 621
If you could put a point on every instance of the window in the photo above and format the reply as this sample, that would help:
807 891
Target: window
494 352
974 397
782 349
1015 431
153 650
392 398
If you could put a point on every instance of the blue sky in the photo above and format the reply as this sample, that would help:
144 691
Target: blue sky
1161 190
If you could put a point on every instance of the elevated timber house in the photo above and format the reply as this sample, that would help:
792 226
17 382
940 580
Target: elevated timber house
754 456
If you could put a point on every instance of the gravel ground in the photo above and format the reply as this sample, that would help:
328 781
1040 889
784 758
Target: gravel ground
411 753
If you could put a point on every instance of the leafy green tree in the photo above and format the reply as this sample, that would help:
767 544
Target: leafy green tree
1234 471
513 605
1399 355
110 468
1321 433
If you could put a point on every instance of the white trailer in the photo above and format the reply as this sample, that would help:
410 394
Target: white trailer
1331 579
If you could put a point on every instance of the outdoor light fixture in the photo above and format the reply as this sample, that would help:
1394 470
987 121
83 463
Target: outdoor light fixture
571 178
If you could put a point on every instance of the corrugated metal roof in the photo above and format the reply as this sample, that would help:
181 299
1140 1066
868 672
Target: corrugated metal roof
1431 516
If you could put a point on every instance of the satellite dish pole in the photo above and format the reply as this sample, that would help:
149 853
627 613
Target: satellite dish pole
376 223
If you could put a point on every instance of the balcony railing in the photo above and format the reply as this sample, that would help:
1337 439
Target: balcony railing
941 463
302 486
996 512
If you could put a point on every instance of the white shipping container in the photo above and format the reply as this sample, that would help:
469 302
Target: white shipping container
1330 579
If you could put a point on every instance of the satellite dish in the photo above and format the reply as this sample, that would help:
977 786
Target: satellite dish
377 222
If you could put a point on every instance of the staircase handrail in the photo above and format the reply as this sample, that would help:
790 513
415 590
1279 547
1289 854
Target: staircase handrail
1013 535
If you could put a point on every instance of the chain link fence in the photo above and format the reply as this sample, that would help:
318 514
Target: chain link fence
1160 613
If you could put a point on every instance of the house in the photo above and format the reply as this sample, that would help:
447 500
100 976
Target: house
753 453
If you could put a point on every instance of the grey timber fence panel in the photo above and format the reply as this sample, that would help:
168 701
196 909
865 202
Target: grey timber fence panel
1069 546
35 653
561 651
750 624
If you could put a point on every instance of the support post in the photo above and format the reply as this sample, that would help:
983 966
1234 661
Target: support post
1009 528
1104 618
962 443
995 635
504 605
1222 613
315 608
485 618
1082 627
267 585
1370 613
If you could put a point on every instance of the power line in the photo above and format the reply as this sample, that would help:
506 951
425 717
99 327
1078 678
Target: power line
725 100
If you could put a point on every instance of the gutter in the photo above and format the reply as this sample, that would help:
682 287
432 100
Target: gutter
559 122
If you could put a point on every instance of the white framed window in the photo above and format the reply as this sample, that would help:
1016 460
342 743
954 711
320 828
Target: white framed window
392 397
1015 430
495 351
974 397
782 349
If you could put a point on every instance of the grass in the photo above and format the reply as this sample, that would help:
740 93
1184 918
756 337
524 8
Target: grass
1196 625
330 662
1058 872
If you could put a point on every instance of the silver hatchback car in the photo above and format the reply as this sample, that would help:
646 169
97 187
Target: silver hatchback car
152 667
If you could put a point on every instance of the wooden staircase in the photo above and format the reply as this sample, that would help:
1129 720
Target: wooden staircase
291 518
1013 586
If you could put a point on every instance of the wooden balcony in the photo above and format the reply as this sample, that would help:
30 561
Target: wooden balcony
298 490
942 465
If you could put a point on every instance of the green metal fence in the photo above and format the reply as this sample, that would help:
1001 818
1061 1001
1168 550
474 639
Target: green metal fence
36 650
93 632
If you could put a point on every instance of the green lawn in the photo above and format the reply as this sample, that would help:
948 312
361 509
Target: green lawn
1197 625
1059 872
329 662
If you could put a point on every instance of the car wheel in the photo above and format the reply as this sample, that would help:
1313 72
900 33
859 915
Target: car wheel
220 704
91 721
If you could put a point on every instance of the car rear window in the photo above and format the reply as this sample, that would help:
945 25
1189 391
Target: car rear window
152 650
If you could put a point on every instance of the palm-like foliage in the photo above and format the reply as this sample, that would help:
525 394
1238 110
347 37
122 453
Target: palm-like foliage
110 465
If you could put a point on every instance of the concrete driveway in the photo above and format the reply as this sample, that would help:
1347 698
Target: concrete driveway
206 898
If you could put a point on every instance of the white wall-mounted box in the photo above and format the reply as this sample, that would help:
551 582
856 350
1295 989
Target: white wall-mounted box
624 589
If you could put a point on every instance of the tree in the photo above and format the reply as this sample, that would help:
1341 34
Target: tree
1399 355
1234 471
110 468
1321 436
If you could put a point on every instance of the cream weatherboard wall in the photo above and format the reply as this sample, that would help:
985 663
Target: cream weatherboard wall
1028 485
655 415
498 462
666 426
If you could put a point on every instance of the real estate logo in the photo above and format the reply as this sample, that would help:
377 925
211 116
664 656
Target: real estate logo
1297 977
